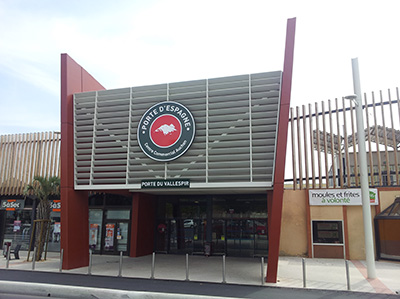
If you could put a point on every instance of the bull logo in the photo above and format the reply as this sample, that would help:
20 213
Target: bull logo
166 129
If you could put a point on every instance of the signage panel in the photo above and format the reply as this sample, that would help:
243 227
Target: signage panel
154 184
166 131
12 204
55 205
340 197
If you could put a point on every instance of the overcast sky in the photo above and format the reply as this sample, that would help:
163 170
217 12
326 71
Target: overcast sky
141 42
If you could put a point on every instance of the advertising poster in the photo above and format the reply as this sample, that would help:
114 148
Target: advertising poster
109 240
93 231
340 197
17 226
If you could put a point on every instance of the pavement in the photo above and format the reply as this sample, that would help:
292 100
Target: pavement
170 275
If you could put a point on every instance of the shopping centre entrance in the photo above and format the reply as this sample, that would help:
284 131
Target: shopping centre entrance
235 225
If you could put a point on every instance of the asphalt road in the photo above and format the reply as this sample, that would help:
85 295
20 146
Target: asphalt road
161 287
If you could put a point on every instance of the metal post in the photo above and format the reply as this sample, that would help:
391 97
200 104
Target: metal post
262 271
362 154
304 273
8 256
34 258
153 265
187 267
120 264
90 262
348 275
223 269
61 259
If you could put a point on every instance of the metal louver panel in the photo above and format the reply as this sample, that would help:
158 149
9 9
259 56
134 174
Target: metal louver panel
236 127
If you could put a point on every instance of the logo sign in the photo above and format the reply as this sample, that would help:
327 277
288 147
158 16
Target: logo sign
55 205
12 204
166 131
150 184
340 197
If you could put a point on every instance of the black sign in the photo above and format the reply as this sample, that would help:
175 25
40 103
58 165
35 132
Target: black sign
151 184
166 131
12 204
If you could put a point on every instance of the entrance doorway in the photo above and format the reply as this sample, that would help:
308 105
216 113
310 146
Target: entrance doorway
109 231
231 225
116 237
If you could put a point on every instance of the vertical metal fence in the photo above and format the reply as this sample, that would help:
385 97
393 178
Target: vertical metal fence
323 142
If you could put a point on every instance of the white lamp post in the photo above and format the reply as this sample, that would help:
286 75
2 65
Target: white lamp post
362 156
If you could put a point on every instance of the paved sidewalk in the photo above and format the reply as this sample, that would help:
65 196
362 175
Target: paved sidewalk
326 274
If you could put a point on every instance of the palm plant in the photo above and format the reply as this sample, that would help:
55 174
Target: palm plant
42 188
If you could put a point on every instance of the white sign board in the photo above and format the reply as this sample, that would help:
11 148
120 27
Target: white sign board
340 197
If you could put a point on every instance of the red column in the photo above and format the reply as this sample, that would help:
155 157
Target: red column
142 224
74 204
279 174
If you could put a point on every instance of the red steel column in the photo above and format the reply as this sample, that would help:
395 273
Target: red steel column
279 174
74 204
142 224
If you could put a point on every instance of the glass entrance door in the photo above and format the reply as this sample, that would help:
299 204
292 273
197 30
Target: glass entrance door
116 237
246 237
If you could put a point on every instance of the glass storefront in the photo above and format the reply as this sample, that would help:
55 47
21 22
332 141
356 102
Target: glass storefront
229 224
109 223
16 225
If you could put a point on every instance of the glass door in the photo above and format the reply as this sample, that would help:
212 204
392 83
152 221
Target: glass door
116 237
95 229
218 236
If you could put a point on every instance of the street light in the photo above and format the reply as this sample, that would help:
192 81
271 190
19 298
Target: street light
362 156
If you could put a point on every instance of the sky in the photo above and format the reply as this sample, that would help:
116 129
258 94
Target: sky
125 43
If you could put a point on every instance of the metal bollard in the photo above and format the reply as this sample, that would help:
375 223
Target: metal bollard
61 259
90 262
8 257
34 258
348 275
153 265
120 264
262 271
187 267
223 269
304 273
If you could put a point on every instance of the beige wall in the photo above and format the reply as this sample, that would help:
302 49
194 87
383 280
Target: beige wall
386 198
326 213
294 223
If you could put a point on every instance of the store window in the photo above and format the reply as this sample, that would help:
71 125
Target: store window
17 228
118 214
95 226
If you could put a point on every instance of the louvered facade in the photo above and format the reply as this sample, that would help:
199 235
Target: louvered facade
234 146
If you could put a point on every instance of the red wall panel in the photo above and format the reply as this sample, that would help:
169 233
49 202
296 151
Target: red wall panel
74 204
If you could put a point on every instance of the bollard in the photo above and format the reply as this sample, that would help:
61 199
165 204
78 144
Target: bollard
61 259
120 264
304 272
348 275
8 256
262 271
223 269
90 262
34 258
187 267
153 265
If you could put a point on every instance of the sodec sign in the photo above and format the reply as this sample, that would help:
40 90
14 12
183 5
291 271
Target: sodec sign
166 131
